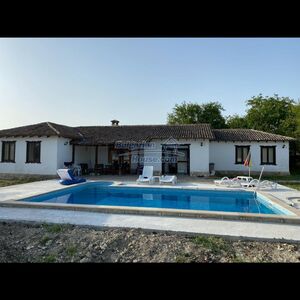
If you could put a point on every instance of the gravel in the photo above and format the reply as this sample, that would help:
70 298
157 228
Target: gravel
32 242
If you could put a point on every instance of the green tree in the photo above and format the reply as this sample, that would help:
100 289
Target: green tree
296 109
272 114
194 113
296 147
236 121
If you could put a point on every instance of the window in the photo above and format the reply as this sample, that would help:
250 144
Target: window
241 153
33 154
268 155
8 152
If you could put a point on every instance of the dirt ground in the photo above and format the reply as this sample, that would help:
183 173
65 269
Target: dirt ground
32 242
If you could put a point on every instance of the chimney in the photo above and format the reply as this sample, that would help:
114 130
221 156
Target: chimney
114 122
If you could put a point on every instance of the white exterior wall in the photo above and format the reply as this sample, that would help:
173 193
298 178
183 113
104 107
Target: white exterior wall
64 152
199 156
55 151
222 154
84 155
48 165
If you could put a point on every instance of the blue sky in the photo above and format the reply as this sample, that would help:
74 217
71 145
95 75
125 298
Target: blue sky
138 80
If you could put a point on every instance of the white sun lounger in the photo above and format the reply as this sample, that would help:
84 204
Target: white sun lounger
226 180
244 178
269 184
147 175
168 179
260 184
235 182
223 181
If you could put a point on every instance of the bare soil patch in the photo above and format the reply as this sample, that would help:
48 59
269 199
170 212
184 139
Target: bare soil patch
32 242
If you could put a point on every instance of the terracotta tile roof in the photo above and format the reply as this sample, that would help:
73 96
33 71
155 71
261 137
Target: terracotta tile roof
41 129
247 135
111 134
96 135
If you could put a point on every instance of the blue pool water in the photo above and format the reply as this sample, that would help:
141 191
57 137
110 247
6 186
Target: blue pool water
104 194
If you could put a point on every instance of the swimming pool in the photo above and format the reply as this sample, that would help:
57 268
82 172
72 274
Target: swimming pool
105 194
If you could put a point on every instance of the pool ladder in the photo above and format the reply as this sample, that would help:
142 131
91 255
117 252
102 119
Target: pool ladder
255 199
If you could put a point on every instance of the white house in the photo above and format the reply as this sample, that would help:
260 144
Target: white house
172 149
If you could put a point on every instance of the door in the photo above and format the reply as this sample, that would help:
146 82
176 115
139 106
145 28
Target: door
183 161
120 161
176 159
169 160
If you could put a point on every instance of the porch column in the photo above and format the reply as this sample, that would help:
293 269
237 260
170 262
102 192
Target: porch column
73 153
96 155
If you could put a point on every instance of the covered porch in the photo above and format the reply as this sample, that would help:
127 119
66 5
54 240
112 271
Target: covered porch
106 159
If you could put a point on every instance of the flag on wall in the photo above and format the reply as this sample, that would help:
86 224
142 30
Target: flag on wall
248 162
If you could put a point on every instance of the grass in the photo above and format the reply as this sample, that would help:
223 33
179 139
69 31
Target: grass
53 228
13 181
238 259
292 185
181 259
214 244
295 175
44 240
71 250
51 258
217 246
291 181
282 177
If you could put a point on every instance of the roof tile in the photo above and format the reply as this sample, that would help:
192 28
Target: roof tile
247 135
111 134
96 135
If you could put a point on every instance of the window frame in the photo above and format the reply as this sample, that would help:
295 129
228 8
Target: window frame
2 152
274 155
27 153
236 153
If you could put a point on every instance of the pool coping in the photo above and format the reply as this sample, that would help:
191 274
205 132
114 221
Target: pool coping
285 219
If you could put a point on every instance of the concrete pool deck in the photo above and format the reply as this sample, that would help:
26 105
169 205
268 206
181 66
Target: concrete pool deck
230 229
216 223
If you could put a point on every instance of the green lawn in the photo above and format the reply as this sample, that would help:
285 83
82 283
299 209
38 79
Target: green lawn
294 176
292 185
